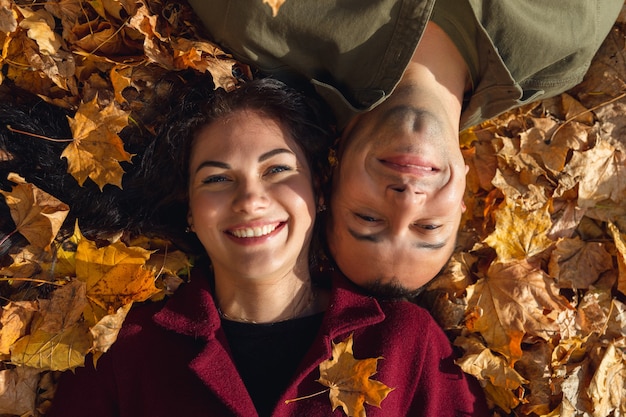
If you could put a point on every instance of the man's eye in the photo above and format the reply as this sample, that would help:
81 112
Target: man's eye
428 226
366 218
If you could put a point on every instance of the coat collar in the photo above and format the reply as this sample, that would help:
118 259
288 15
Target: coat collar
192 310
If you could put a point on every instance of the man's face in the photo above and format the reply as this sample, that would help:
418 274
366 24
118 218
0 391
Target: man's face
397 198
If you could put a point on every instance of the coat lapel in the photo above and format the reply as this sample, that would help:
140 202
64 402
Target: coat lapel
192 312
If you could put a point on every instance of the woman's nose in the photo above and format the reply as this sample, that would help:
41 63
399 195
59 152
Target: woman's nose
251 197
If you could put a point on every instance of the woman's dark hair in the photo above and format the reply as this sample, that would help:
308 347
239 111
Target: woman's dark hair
153 201
166 161
24 117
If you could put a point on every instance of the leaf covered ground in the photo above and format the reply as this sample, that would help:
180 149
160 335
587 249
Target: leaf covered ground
534 297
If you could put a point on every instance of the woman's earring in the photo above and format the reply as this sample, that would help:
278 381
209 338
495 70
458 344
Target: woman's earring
321 208
188 229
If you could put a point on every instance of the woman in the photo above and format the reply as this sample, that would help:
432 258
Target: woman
250 331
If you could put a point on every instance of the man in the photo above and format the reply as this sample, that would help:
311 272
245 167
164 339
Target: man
403 77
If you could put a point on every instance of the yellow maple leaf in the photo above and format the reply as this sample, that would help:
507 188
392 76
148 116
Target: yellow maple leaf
115 275
348 380
53 351
38 216
97 150
520 233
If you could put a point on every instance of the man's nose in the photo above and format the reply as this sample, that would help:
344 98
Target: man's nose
405 195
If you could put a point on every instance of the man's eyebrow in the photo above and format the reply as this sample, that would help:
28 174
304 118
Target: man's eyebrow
263 157
377 238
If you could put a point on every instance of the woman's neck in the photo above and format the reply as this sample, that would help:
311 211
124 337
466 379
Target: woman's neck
266 300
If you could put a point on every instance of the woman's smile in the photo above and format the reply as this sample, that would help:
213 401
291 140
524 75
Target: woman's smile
251 235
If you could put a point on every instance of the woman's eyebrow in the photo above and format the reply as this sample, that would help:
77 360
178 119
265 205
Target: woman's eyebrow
215 164
268 155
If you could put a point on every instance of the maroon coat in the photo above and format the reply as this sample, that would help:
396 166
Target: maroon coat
173 359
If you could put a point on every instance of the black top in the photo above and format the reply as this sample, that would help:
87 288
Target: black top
267 355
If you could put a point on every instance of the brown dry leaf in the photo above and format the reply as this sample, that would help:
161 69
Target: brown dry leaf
608 386
14 322
8 17
578 264
154 44
97 149
205 56
520 233
456 277
275 5
104 38
48 56
483 163
594 311
600 174
501 378
27 263
64 308
620 244
512 302
38 215
18 390
566 218
574 110
120 79
39 25
552 154
105 332
575 402
348 380
53 351
535 366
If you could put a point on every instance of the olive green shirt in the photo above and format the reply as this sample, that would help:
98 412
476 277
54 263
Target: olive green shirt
354 52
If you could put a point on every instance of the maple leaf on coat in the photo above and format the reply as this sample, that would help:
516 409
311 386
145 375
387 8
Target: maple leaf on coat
348 380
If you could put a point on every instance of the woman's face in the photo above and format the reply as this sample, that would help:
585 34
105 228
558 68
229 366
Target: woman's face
251 199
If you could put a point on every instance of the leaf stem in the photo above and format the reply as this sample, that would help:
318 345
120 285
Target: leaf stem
39 281
306 396
36 135
7 237
585 111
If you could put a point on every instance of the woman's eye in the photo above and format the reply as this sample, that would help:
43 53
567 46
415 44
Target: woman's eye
366 218
278 168
214 179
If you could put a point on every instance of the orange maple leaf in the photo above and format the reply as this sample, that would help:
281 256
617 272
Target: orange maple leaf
348 380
